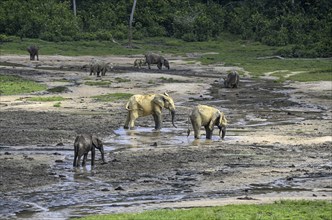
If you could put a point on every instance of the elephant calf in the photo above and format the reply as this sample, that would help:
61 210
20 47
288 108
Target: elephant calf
203 115
139 63
232 80
33 51
151 104
83 144
152 58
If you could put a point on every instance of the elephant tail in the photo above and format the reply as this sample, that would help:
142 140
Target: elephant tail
188 124
127 106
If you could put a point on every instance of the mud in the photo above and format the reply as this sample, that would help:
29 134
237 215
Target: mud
278 142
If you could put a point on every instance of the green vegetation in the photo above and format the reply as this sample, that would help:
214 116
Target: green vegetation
170 80
303 26
46 99
305 210
58 89
121 80
112 97
11 85
98 83
57 105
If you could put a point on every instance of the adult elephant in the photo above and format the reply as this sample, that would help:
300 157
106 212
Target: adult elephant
152 58
232 80
151 104
33 51
207 116
83 145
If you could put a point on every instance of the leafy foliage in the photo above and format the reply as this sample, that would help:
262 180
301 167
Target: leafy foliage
304 24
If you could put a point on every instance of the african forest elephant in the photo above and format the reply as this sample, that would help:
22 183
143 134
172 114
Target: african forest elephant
203 115
33 51
99 68
139 63
152 104
232 80
85 143
152 58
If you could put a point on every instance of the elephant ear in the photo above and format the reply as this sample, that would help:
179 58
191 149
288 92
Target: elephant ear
159 100
96 142
214 118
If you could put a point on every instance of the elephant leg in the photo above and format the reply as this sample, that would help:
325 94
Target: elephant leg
98 72
78 160
159 65
93 154
149 66
126 126
84 159
37 57
208 132
133 117
75 160
197 127
158 121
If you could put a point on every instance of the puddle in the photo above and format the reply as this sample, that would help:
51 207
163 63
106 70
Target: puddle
79 192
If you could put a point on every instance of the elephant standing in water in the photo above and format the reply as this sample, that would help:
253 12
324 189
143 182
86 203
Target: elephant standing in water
203 115
85 143
33 51
152 58
152 104
232 80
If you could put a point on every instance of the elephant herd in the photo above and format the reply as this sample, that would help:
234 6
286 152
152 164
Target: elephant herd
150 104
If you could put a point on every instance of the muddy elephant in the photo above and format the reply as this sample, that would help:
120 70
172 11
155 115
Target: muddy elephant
152 58
100 68
33 51
151 104
207 116
85 143
232 80
138 63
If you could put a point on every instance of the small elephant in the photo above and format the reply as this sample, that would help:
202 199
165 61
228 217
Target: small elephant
152 58
138 63
232 80
100 68
152 104
85 143
33 51
203 115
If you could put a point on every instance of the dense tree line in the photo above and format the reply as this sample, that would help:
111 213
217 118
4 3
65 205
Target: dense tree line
304 24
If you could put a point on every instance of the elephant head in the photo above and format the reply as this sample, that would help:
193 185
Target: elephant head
97 143
166 63
219 120
165 101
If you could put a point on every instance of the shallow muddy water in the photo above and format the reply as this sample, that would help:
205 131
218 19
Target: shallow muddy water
151 168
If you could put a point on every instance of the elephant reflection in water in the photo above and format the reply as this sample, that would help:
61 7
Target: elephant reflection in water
151 104
203 115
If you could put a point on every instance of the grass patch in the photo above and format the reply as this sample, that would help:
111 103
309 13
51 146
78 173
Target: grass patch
112 97
58 89
98 83
121 80
46 99
304 210
11 85
228 50
57 105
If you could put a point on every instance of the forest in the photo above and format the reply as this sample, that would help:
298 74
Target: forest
304 26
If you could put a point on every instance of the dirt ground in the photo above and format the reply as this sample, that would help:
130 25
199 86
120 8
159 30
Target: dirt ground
278 142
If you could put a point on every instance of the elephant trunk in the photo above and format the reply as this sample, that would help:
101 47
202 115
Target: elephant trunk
173 117
222 130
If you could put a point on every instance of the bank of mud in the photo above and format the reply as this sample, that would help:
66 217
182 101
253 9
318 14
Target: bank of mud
276 142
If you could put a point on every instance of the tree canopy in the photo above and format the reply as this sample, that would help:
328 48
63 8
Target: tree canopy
304 24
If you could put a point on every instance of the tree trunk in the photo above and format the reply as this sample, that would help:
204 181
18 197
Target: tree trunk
130 35
74 7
